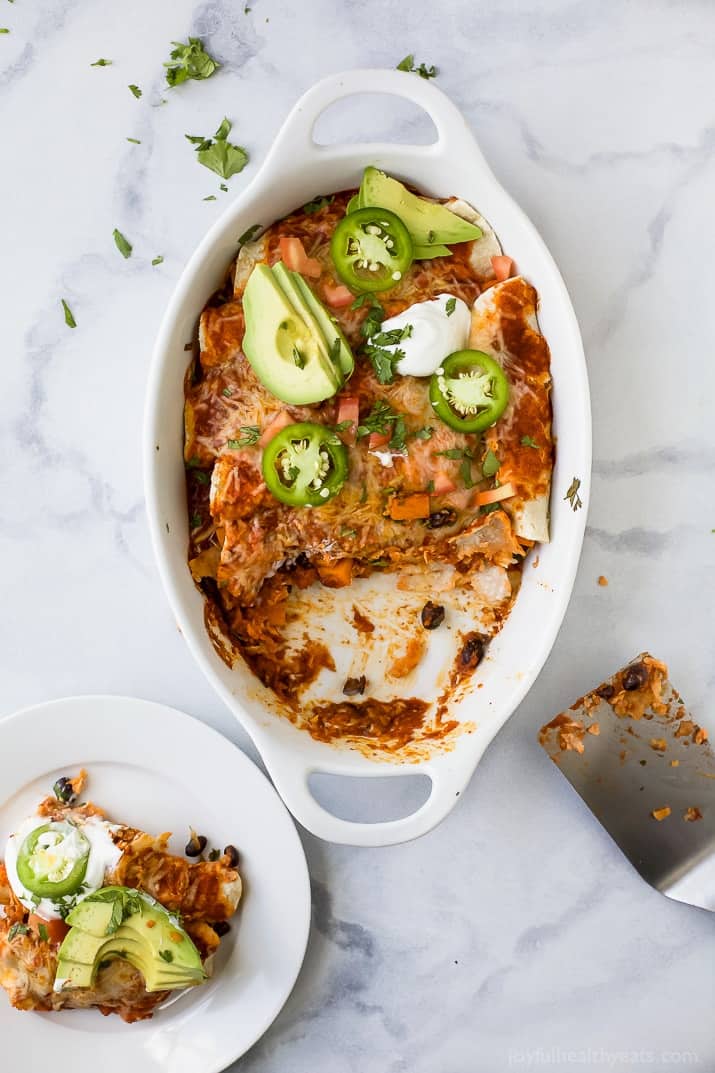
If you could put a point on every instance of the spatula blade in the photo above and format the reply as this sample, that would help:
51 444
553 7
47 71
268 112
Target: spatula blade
645 769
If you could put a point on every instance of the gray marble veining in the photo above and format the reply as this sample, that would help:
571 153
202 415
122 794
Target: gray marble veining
515 933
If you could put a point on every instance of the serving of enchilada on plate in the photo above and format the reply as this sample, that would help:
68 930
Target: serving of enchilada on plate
368 457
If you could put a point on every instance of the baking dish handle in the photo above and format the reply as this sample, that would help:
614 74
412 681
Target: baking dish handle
295 140
291 779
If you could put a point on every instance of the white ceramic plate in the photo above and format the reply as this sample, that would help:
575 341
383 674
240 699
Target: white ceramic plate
160 770
295 170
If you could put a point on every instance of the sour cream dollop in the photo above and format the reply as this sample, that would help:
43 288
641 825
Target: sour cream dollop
438 326
103 856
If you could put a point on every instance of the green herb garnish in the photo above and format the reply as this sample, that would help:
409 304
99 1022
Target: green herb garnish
134 141
526 441
343 426
250 233
450 306
158 260
42 932
317 204
222 186
227 392
214 854
399 434
69 318
379 419
250 434
166 955
202 476
136 91
298 358
17 929
408 64
424 433
195 520
572 495
491 464
101 62
465 472
211 197
189 61
218 154
122 244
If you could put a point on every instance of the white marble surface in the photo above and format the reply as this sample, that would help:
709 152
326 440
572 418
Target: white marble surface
515 932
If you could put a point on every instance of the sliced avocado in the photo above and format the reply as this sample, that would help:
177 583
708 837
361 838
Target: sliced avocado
287 356
310 312
141 931
75 973
428 222
330 328
93 917
426 253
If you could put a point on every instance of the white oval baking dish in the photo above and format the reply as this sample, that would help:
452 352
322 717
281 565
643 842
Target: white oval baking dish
295 169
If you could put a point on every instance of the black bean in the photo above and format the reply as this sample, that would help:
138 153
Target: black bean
355 686
606 691
196 845
635 677
221 927
472 651
64 791
232 853
432 615
438 518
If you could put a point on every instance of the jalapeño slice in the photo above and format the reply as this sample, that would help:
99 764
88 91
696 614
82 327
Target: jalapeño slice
52 861
372 249
469 391
305 465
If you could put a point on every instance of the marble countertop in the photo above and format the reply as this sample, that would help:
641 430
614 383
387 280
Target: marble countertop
515 933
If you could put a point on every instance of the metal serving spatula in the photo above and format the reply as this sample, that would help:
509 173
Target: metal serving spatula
645 769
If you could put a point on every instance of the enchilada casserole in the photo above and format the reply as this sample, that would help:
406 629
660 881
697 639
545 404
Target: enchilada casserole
367 442
99 914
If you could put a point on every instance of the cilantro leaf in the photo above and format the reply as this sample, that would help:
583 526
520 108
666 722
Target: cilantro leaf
227 392
382 362
572 494
211 197
157 260
249 234
450 306
122 244
17 929
223 187
408 64
399 433
491 464
136 91
42 932
218 154
465 472
69 319
101 62
166 955
195 520
189 60
298 358
134 141
249 435
423 433
526 441
379 419
317 204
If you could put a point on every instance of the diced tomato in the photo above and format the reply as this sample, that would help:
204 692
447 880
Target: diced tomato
378 439
348 410
294 256
280 421
56 929
503 267
337 295
443 484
